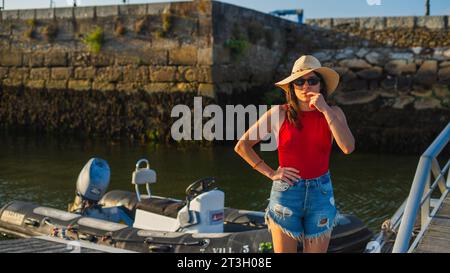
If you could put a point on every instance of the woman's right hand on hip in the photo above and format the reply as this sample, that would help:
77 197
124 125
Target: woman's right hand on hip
286 174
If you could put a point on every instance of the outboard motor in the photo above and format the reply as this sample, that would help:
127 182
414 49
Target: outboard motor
92 183
93 180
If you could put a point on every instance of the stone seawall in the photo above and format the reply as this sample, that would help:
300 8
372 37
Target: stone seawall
153 48
109 70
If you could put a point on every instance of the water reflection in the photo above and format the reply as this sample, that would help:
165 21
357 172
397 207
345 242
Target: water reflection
44 170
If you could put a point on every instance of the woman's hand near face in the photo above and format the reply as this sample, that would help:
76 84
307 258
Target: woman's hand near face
316 100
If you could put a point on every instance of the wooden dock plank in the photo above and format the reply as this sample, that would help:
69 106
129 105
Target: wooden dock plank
34 245
436 238
45 244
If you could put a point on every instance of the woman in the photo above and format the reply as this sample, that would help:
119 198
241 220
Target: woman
301 203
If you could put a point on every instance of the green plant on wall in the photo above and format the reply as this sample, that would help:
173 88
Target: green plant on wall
237 44
95 40
237 47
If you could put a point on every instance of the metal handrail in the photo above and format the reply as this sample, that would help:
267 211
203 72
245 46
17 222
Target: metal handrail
416 197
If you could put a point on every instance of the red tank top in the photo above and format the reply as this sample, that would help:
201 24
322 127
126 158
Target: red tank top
306 149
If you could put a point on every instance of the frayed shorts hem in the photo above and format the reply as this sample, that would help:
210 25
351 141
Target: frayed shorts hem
294 235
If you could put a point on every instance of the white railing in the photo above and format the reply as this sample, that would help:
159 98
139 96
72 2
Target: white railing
420 193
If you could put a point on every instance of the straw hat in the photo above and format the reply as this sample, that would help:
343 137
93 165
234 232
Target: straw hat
309 63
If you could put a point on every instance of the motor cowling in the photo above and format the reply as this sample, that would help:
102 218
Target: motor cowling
93 180
204 214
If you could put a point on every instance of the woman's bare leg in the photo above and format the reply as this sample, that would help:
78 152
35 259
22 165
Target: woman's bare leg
282 243
316 245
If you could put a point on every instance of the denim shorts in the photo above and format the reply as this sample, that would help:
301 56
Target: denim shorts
304 210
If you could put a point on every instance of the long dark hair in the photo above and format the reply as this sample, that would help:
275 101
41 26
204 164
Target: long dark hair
293 110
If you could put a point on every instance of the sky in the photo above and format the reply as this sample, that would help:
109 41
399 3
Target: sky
312 8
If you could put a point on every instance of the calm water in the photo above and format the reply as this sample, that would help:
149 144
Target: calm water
45 169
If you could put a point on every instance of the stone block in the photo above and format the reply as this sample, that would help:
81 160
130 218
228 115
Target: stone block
10 58
154 57
183 56
355 64
109 74
3 73
205 56
399 67
64 13
35 84
127 87
163 73
61 73
102 59
103 86
56 58
45 14
157 87
401 22
20 74
349 22
427 73
80 85
444 74
12 82
432 22
56 84
136 74
371 73
427 103
377 23
85 73
105 11
133 10
33 59
40 74
84 12
157 8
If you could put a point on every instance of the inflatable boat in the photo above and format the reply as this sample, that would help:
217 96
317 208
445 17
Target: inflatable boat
147 223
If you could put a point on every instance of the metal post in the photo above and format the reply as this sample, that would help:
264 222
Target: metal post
412 205
300 16
425 210
447 183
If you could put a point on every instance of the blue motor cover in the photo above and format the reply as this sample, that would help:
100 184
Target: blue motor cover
93 180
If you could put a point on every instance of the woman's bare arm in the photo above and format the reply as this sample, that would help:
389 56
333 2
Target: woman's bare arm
253 136
339 127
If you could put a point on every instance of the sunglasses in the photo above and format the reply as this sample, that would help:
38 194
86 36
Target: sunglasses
311 81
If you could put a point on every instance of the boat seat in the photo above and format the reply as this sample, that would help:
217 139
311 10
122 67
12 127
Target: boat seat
161 206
